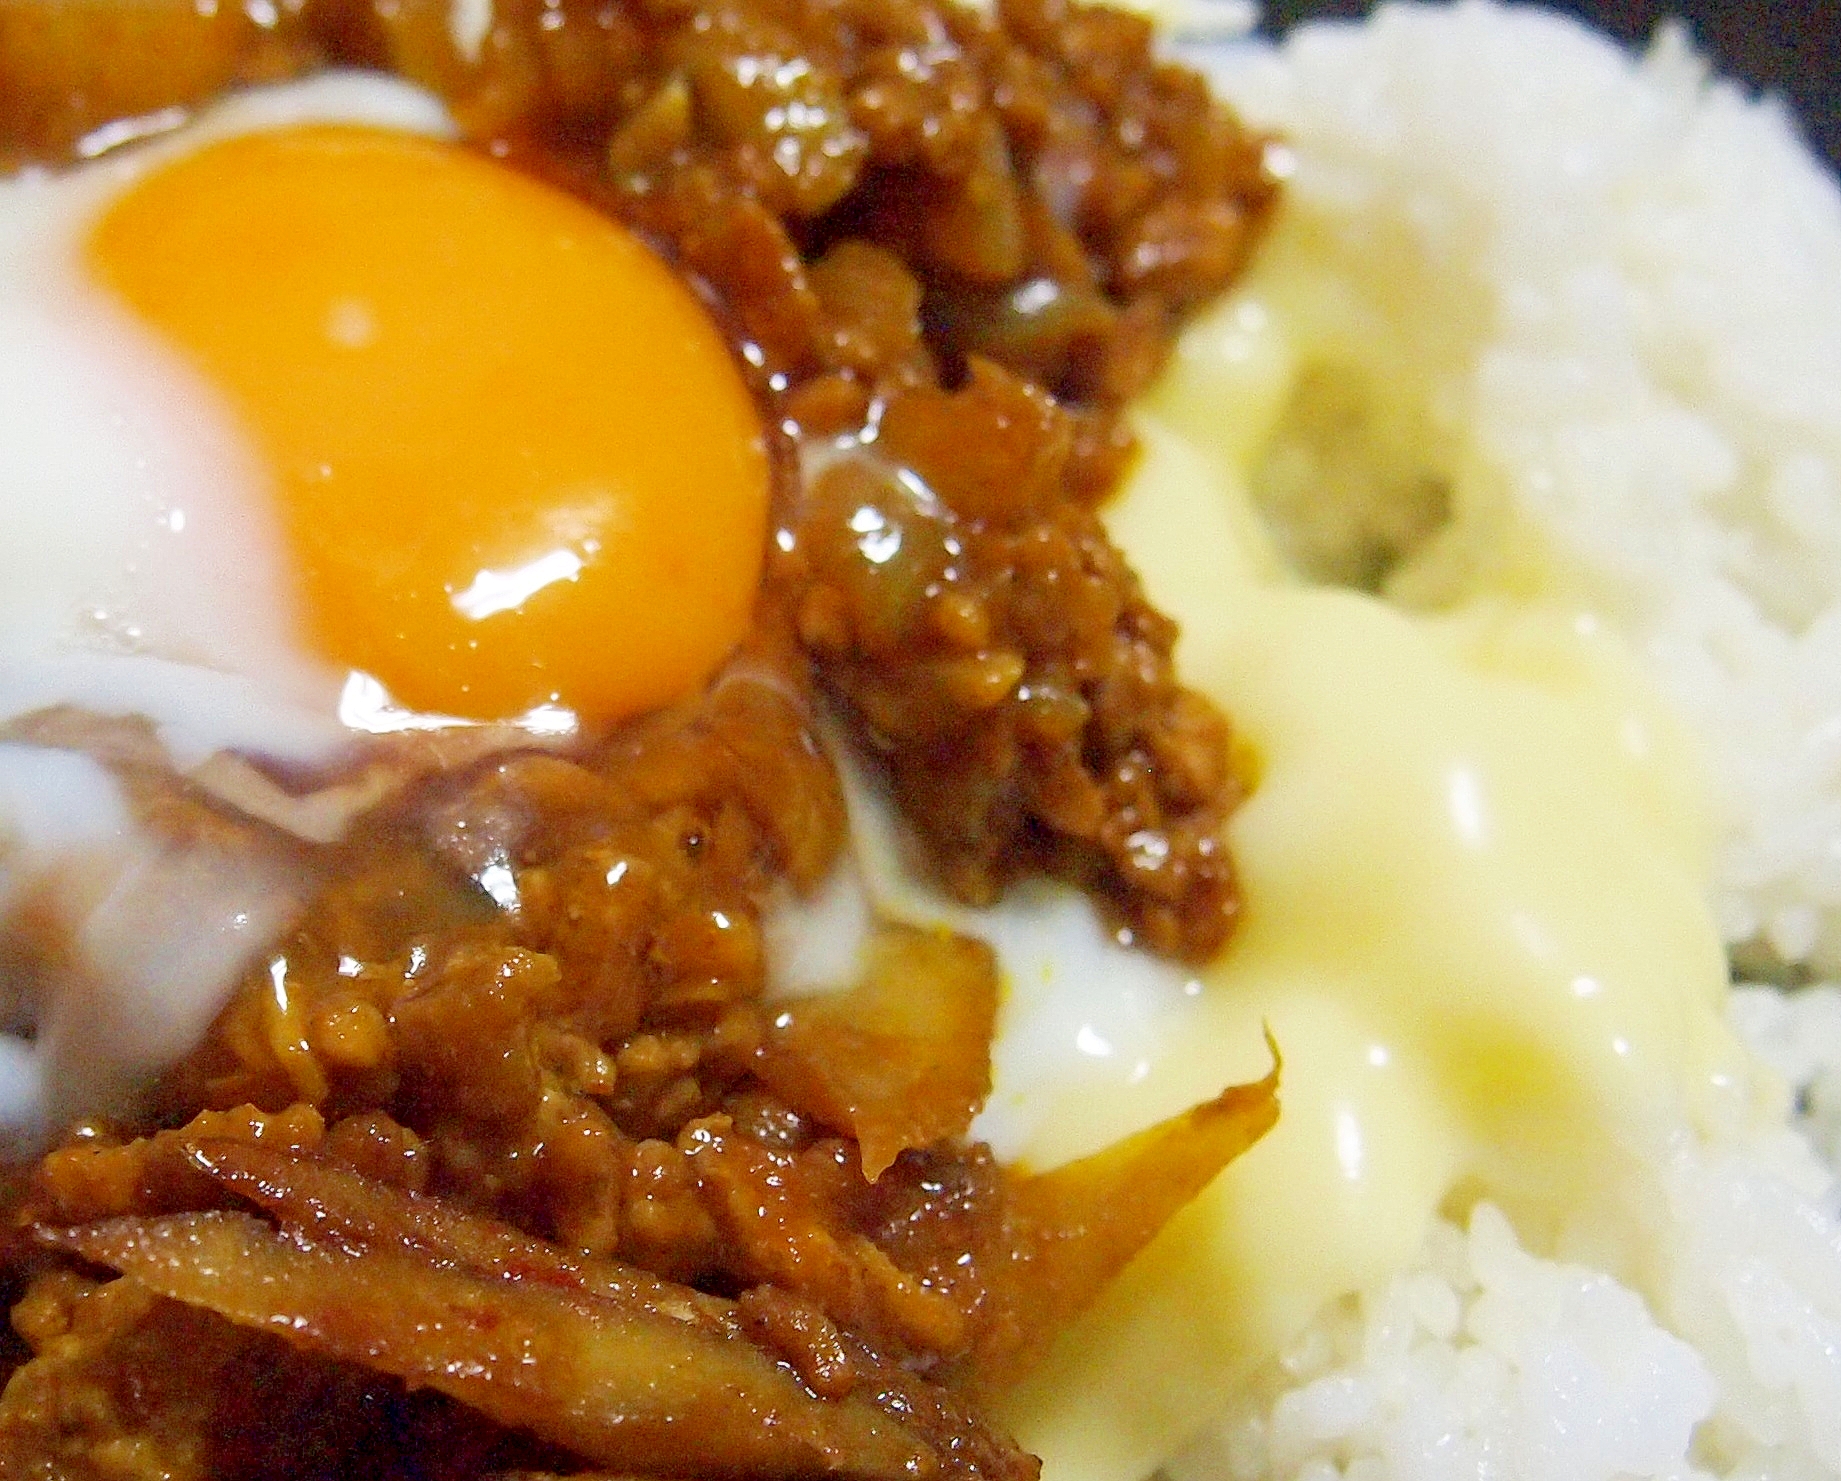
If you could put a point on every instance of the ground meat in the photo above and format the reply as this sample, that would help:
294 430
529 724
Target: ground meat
548 968
998 653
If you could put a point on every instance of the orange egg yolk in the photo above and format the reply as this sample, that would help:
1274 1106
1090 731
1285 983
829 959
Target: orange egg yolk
515 462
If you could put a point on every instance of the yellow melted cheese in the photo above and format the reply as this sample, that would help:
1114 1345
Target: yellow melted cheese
1475 874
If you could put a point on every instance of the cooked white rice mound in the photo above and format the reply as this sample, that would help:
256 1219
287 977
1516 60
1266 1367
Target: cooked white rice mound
1482 1361
1598 299
1714 1351
1717 1353
1601 299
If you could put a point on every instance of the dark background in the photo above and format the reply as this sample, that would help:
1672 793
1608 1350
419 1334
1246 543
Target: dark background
1792 49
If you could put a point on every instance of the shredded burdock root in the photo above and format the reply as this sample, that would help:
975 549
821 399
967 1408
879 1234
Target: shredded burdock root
503 1164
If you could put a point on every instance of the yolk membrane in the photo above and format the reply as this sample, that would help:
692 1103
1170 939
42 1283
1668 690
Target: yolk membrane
516 464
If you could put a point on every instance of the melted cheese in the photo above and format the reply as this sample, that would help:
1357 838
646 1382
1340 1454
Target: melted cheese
1475 875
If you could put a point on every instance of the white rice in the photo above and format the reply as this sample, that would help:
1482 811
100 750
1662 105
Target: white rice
1483 1361
1616 284
1717 1354
1799 1036
1617 287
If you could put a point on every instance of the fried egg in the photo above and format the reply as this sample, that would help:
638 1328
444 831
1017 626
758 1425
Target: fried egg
316 426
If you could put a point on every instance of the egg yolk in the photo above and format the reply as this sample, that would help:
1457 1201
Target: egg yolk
515 463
